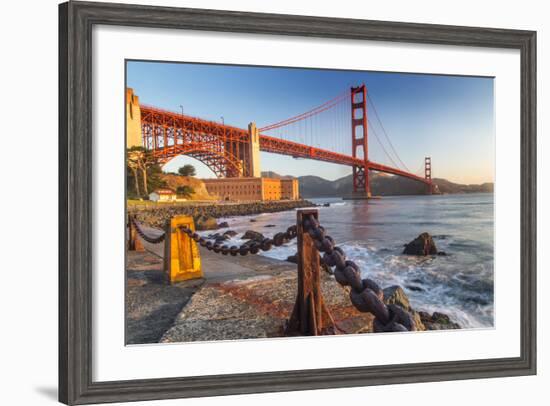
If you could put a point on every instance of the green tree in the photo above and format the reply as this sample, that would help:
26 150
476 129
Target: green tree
185 191
155 178
187 170
144 172
132 179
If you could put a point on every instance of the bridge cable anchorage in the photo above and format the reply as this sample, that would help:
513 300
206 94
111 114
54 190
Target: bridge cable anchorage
385 133
152 240
365 294
316 110
249 247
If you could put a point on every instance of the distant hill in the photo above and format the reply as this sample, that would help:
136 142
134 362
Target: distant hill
381 185
449 187
313 186
173 181
271 174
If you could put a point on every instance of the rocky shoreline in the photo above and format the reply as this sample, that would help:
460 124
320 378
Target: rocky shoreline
229 304
249 297
205 214
423 245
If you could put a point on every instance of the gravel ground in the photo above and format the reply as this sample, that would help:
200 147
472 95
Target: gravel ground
257 307
151 304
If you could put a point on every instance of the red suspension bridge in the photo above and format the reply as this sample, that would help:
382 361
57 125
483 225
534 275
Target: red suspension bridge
337 131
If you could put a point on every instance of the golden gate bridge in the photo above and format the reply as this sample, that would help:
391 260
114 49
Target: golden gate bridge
336 131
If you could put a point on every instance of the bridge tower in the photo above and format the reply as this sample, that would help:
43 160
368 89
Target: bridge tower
359 140
253 158
133 120
428 173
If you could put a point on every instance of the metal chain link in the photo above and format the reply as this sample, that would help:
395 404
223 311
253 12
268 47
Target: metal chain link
249 247
149 239
365 294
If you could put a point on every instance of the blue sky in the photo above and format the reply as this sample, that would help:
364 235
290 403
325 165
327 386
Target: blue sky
450 118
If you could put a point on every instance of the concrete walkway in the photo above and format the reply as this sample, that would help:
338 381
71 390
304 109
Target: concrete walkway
218 267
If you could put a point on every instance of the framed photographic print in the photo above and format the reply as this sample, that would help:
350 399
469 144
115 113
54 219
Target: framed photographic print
259 202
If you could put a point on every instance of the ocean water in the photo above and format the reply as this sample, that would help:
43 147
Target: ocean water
373 233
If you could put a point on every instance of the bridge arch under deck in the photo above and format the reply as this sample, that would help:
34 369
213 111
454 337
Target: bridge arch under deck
222 164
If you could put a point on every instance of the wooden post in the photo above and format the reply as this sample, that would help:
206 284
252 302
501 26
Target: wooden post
310 315
181 254
134 243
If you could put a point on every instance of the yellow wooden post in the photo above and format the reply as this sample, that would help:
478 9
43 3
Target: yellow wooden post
181 254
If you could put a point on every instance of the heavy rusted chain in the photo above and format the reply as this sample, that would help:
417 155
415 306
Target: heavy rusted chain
365 294
148 238
249 247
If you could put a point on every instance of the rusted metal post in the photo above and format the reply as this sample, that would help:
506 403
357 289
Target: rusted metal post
134 243
310 315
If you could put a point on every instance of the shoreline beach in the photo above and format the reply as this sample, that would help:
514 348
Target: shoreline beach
239 297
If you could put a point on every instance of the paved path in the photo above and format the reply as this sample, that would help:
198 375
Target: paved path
218 267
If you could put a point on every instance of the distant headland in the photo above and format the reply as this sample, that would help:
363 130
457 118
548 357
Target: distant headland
381 185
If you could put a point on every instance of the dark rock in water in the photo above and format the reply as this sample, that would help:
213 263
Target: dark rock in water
253 235
396 295
438 321
477 300
223 224
421 245
417 321
253 220
292 258
441 318
415 288
269 225
206 223
424 315
442 253
230 233
326 205
218 238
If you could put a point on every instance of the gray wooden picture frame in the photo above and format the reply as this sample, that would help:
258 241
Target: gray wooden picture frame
76 20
